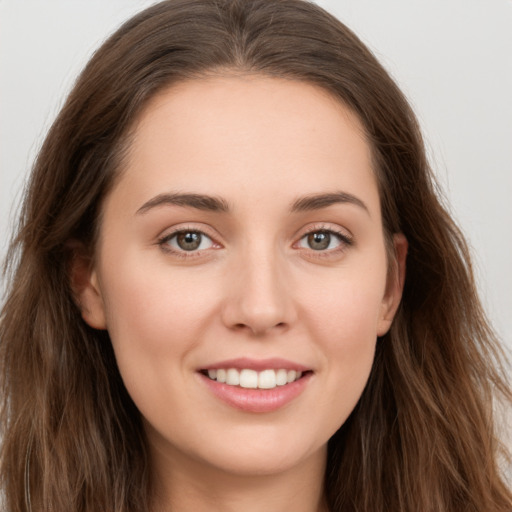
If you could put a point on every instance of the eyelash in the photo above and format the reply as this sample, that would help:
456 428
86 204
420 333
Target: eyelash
345 241
163 242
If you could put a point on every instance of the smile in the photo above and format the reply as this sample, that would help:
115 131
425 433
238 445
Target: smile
252 379
256 386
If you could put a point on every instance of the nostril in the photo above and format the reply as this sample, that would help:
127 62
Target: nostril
259 329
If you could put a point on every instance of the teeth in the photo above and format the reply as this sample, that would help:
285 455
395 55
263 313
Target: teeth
232 377
281 377
251 379
248 379
267 379
290 376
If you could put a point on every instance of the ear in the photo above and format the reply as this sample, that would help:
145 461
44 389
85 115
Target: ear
85 286
394 285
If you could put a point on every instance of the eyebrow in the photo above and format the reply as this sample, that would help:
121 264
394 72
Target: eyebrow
319 201
197 201
218 204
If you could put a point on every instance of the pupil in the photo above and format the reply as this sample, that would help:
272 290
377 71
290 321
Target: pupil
319 240
189 241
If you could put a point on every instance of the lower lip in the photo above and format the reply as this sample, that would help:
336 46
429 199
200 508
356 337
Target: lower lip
257 400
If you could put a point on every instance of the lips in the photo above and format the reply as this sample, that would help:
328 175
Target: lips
256 385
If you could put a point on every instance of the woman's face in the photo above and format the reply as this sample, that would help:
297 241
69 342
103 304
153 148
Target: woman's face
243 241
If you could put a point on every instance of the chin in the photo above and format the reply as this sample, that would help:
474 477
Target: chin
266 450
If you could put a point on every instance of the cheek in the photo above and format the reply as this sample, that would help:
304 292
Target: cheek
156 319
153 315
149 299
343 320
351 332
346 305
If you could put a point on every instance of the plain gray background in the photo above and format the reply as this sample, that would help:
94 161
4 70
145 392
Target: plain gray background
453 59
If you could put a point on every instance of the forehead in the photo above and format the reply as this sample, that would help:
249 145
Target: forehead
245 137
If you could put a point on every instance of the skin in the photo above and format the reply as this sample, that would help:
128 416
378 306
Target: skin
255 288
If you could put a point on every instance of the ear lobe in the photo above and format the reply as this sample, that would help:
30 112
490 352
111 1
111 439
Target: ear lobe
395 284
85 287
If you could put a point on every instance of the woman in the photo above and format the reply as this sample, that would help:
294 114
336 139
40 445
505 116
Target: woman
234 286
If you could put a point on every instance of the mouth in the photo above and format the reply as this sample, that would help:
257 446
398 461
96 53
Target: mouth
252 379
256 385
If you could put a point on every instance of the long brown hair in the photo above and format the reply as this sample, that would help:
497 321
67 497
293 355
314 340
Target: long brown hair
422 437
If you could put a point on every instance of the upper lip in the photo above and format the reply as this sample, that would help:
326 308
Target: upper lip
241 363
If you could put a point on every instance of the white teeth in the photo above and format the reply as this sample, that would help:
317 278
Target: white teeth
232 377
267 379
281 377
251 379
248 379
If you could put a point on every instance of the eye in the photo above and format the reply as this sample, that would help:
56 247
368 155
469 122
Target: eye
323 240
189 241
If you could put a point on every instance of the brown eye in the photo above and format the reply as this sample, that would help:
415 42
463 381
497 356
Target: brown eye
188 241
319 240
324 240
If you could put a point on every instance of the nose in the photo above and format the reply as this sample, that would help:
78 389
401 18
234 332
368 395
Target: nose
258 297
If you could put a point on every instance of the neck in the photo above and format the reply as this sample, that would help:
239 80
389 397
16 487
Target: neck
184 485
